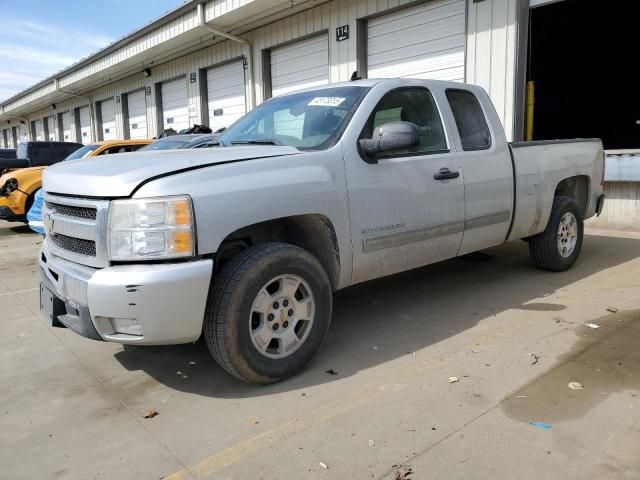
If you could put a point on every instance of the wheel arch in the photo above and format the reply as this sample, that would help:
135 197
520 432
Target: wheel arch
577 187
313 232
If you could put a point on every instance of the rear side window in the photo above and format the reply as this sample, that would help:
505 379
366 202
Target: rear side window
470 120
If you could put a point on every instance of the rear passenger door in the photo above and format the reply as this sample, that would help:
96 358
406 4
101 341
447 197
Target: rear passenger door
488 172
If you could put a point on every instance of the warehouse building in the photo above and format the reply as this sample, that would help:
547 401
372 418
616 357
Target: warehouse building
547 65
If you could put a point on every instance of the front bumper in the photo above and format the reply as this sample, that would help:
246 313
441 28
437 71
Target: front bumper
12 207
7 214
166 300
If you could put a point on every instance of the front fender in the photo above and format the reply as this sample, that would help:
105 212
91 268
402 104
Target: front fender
232 196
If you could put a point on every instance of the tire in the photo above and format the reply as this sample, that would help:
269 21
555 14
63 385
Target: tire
236 330
552 250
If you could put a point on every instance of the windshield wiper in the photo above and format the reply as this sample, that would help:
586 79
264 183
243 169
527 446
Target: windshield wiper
256 141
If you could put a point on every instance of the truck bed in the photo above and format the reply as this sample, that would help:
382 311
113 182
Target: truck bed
539 167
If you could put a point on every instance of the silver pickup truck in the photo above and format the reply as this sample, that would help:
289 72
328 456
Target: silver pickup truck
308 193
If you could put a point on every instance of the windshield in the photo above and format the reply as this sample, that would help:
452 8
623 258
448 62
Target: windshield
164 145
83 152
311 120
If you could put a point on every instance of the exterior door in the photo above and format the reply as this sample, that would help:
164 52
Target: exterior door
401 216
108 112
299 65
488 173
225 94
85 125
137 109
175 104
427 41
66 127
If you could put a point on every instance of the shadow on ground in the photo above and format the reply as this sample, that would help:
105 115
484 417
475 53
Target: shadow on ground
384 319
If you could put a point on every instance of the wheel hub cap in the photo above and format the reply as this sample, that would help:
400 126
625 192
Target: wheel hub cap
281 316
567 234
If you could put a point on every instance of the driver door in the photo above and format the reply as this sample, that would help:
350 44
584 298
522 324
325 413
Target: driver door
403 213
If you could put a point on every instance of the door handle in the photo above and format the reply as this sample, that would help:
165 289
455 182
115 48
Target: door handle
445 174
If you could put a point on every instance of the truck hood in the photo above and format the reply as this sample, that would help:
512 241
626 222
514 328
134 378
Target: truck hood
119 175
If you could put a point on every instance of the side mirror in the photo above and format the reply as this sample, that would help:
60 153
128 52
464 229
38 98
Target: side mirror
389 137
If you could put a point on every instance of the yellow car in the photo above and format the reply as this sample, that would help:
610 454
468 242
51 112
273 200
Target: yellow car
17 187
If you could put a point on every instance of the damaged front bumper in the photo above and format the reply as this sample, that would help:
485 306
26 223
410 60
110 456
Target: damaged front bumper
142 304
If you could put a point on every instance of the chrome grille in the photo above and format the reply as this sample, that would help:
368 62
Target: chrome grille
78 246
77 229
73 211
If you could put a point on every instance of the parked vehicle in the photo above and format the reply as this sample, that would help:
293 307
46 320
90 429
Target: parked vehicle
39 154
34 215
18 187
309 193
6 154
175 142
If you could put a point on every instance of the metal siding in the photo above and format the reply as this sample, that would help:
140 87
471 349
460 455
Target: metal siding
175 104
492 43
85 125
300 65
226 92
427 41
108 110
137 105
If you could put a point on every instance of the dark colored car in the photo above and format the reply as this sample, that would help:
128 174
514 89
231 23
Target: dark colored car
175 142
39 154
7 153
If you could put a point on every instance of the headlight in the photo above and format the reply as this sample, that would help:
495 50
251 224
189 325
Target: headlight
151 229
10 186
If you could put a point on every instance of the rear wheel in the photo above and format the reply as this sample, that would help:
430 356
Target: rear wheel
268 312
557 248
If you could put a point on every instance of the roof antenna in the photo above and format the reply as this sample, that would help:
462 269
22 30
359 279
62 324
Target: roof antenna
355 76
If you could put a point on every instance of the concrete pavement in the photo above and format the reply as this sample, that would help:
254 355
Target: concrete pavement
514 336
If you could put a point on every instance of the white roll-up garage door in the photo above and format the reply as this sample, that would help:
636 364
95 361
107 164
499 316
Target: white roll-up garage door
419 42
85 125
108 113
51 128
225 94
66 127
137 108
39 130
175 104
300 65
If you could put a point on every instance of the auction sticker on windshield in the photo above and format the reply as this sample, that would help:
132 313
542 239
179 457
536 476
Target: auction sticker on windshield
326 101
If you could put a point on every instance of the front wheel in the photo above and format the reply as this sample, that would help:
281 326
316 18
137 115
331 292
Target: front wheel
557 248
268 312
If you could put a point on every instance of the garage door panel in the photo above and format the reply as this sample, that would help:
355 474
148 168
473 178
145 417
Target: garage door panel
443 47
137 111
416 36
175 104
51 128
427 41
300 65
226 94
85 125
66 127
424 16
108 112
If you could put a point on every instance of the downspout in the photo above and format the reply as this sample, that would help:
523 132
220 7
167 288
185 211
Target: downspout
92 115
235 38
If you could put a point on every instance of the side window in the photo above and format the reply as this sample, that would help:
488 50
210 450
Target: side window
415 105
470 120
